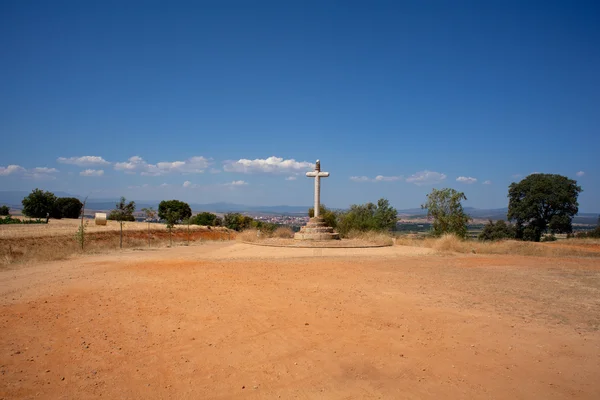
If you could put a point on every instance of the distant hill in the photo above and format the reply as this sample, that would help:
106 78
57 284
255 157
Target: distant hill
13 200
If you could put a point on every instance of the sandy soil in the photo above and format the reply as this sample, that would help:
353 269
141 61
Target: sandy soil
230 320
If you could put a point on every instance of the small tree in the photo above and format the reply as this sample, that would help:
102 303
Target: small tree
123 212
187 222
38 204
4 210
150 215
80 235
541 203
171 217
173 212
385 215
445 208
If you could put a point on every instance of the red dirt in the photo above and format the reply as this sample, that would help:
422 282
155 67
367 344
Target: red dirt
595 247
227 320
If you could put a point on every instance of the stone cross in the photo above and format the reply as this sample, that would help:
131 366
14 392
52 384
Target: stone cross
317 174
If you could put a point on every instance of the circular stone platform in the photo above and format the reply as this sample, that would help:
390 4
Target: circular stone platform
318 244
316 229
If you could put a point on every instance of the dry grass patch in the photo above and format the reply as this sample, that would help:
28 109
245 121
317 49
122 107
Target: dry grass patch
58 247
283 232
249 235
373 237
451 244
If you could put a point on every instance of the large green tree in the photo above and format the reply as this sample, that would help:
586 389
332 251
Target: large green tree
174 209
67 207
542 202
204 218
38 204
4 210
445 208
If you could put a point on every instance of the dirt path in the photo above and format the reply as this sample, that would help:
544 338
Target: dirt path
227 320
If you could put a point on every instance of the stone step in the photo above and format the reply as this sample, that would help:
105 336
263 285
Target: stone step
324 229
316 236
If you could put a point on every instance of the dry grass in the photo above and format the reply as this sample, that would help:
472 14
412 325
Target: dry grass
376 238
45 247
283 232
249 235
452 244
65 226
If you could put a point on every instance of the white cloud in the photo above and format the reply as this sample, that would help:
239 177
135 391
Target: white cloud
190 185
43 170
466 179
378 178
84 161
291 178
426 178
215 171
488 182
360 179
236 183
144 186
33 173
381 178
92 172
273 165
194 165
11 169
580 173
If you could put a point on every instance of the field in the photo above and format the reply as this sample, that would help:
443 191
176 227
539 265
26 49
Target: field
223 319
56 240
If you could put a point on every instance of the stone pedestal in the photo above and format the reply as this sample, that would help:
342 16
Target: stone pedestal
316 230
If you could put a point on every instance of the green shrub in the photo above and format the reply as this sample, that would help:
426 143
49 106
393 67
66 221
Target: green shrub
4 210
497 231
8 220
367 217
205 219
594 234
329 216
237 221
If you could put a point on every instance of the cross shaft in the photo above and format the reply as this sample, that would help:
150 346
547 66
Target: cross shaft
317 174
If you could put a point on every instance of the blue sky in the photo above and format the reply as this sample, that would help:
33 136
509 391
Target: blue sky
233 101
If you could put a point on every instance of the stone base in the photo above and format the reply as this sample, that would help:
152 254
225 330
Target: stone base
316 230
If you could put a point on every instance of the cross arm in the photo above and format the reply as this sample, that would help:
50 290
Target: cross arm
314 174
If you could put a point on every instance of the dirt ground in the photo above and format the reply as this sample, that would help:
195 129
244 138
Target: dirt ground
229 320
